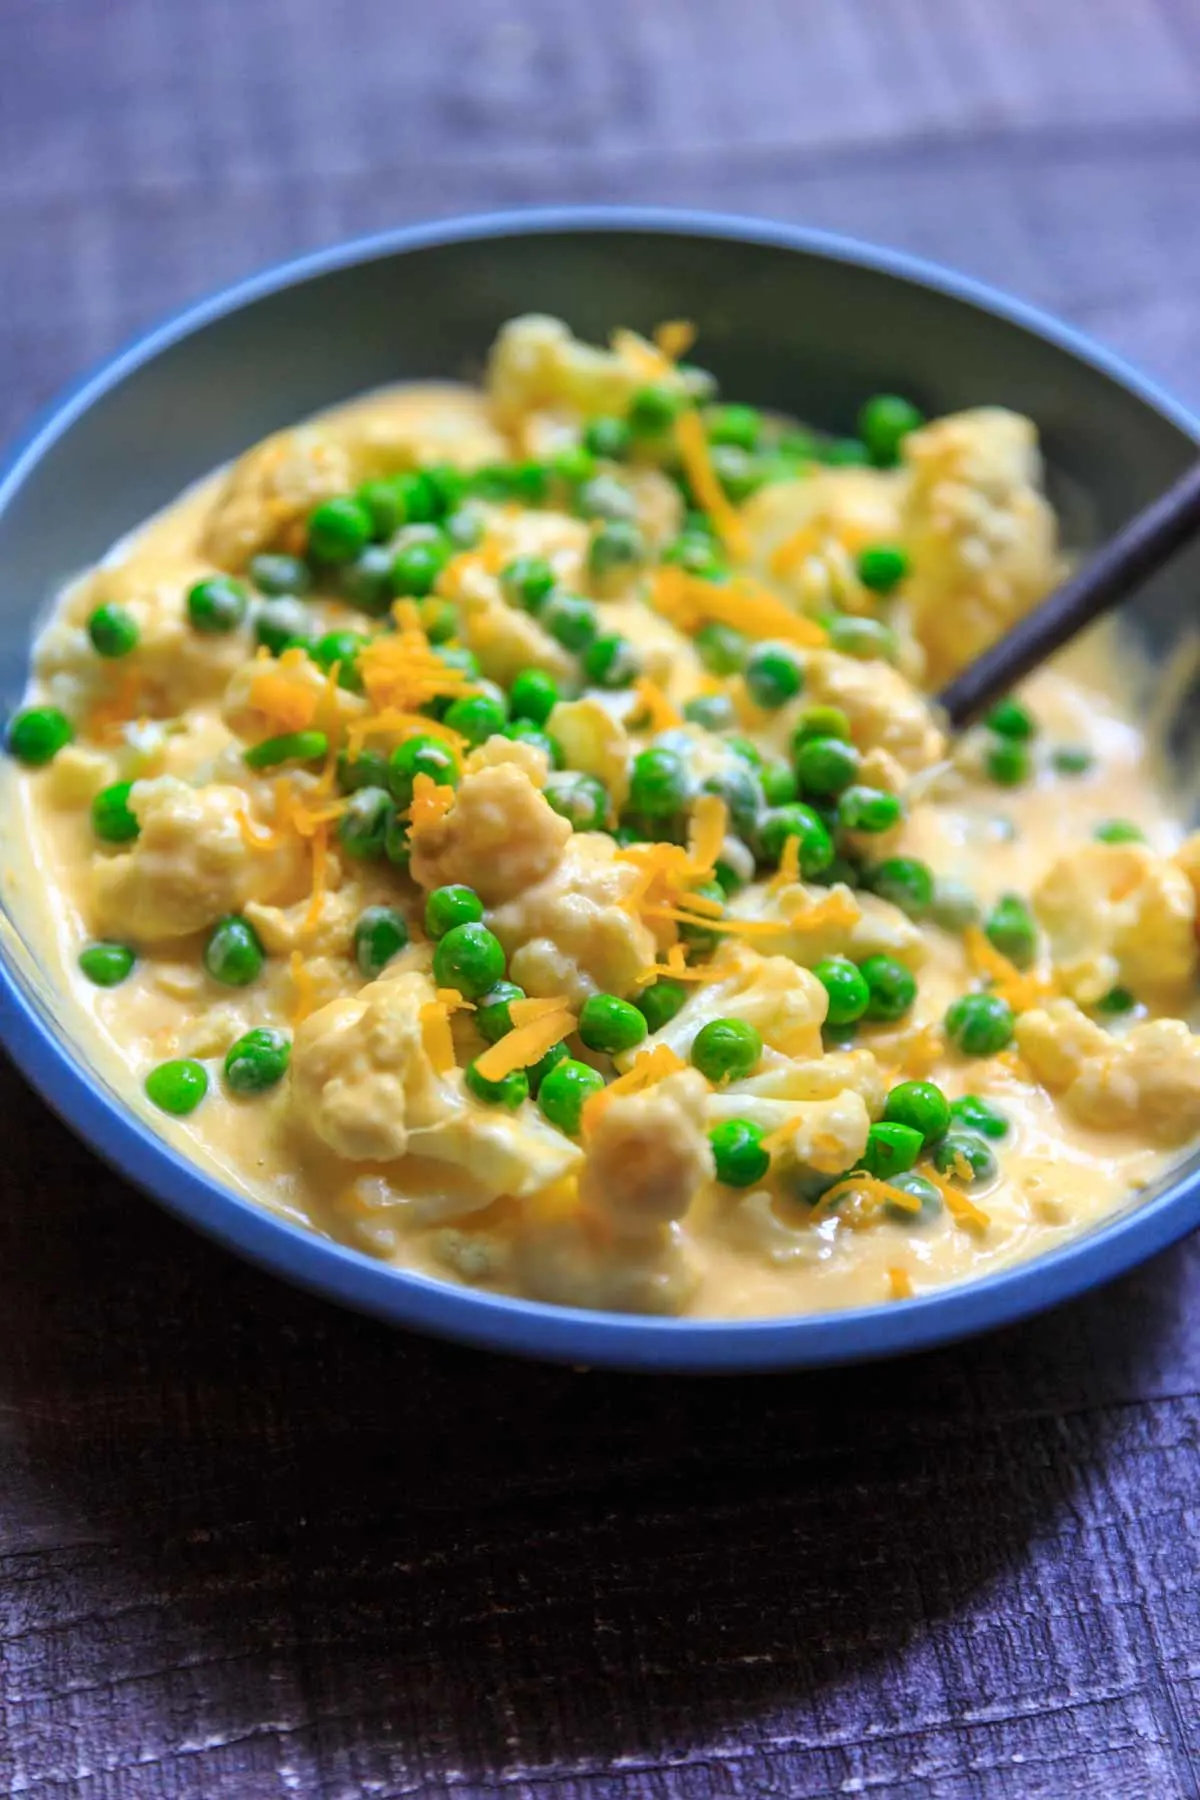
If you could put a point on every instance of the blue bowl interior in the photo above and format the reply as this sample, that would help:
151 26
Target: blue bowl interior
785 318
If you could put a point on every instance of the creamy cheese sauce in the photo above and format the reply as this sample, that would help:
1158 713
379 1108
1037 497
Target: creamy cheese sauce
731 1253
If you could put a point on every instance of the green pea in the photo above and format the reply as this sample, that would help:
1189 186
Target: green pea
446 907
954 905
892 987
258 1061
527 581
1011 928
338 529
1011 720
906 882
849 995
869 809
476 717
1117 1000
615 546
37 734
606 497
609 1025
739 473
738 1154
696 552
492 1018
721 648
748 751
820 722
922 1189
1071 759
177 1086
368 769
571 621
846 453
426 494
439 619
1118 831
290 746
113 631
773 675
866 639
282 624
278 576
884 421
1007 761
533 695
654 409
980 1024
608 437
380 933
367 581
565 1091
611 662
965 1158
659 785
921 1105
465 528
891 1149
740 426
342 648
713 712
581 799
882 567
826 765
524 731
510 1091
417 566
726 1050
779 784
537 1072
470 959
736 786
798 821
659 1004
362 828
106 964
384 506
217 605
233 954
702 937
421 755
799 446
977 1115
113 819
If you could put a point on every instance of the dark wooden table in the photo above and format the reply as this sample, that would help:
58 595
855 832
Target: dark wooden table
250 1547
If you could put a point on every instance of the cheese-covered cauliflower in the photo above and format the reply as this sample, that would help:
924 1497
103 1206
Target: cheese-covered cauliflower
1147 1080
1118 914
536 365
266 696
570 934
416 428
648 1155
273 487
190 864
885 711
500 837
595 743
816 923
785 1004
825 1105
173 666
505 639
980 533
806 533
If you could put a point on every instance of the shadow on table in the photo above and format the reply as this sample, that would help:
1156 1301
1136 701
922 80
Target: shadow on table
464 1562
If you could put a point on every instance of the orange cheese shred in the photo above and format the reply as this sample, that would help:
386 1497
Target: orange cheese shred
662 715
524 1012
436 1035
834 909
648 1068
675 968
900 1284
697 464
963 1211
794 549
525 1044
1021 991
401 672
788 872
675 338
689 602
430 802
879 1192
647 360
286 705
706 832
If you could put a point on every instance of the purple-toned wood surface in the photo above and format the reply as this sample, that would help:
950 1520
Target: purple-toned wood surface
250 1547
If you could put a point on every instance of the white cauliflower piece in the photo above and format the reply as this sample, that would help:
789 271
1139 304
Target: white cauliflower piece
189 865
826 1103
657 504
77 775
174 666
649 1155
570 934
1118 914
1146 1081
415 427
824 518
505 639
500 837
595 743
532 762
981 535
850 923
537 365
272 488
885 711
785 1004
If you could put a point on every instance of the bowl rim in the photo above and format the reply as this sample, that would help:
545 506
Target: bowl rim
501 1322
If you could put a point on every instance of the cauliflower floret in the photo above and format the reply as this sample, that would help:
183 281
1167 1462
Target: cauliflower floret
648 1155
785 1004
1146 1081
832 922
537 365
1118 914
500 837
173 666
570 934
416 427
595 743
657 505
267 696
980 533
884 710
532 762
505 639
272 487
824 519
190 864
826 1103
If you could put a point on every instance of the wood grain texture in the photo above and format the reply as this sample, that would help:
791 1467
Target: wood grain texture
250 1547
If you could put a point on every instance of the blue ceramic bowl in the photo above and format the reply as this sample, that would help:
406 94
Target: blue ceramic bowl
786 316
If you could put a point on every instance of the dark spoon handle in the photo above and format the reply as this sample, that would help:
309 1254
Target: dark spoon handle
1149 540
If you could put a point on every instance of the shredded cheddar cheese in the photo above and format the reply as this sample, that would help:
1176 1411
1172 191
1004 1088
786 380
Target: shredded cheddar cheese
661 714
1021 991
525 1044
689 602
675 338
648 1068
877 1193
524 1012
697 465
835 909
900 1284
963 1211
706 832
646 360
430 802
285 705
